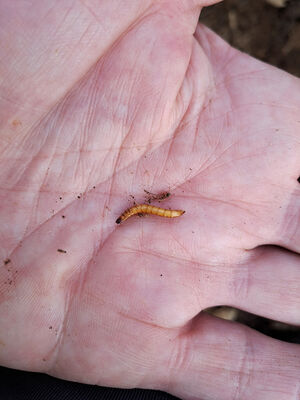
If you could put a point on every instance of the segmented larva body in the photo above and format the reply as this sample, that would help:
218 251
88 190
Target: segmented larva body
147 209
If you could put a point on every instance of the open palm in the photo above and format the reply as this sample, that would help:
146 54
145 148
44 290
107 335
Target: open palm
93 112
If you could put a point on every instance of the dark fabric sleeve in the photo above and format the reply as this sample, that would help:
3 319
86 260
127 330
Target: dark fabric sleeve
20 385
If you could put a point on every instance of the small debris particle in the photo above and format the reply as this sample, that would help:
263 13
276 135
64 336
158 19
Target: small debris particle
63 216
61 251
16 122
50 327
44 359
60 198
159 197
161 274
78 197
298 179
94 187
191 169
7 261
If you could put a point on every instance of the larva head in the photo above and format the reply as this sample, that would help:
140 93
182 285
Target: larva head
118 221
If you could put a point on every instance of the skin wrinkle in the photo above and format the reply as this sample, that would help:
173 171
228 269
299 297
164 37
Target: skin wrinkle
239 107
226 163
199 130
101 241
231 55
91 107
26 231
290 219
185 250
230 203
210 167
174 100
182 106
32 217
179 86
180 128
215 268
250 75
85 34
36 155
25 163
90 10
179 358
192 95
145 322
65 17
242 282
246 368
56 350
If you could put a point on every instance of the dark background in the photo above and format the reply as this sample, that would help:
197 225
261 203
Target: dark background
270 34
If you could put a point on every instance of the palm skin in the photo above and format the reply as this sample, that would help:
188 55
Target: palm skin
90 119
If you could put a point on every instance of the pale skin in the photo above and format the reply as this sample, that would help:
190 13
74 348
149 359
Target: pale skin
100 100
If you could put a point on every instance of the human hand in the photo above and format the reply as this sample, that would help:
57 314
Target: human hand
93 111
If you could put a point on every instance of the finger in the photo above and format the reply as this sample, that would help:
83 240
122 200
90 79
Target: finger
268 285
218 359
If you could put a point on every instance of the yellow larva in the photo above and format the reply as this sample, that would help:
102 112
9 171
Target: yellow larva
147 209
